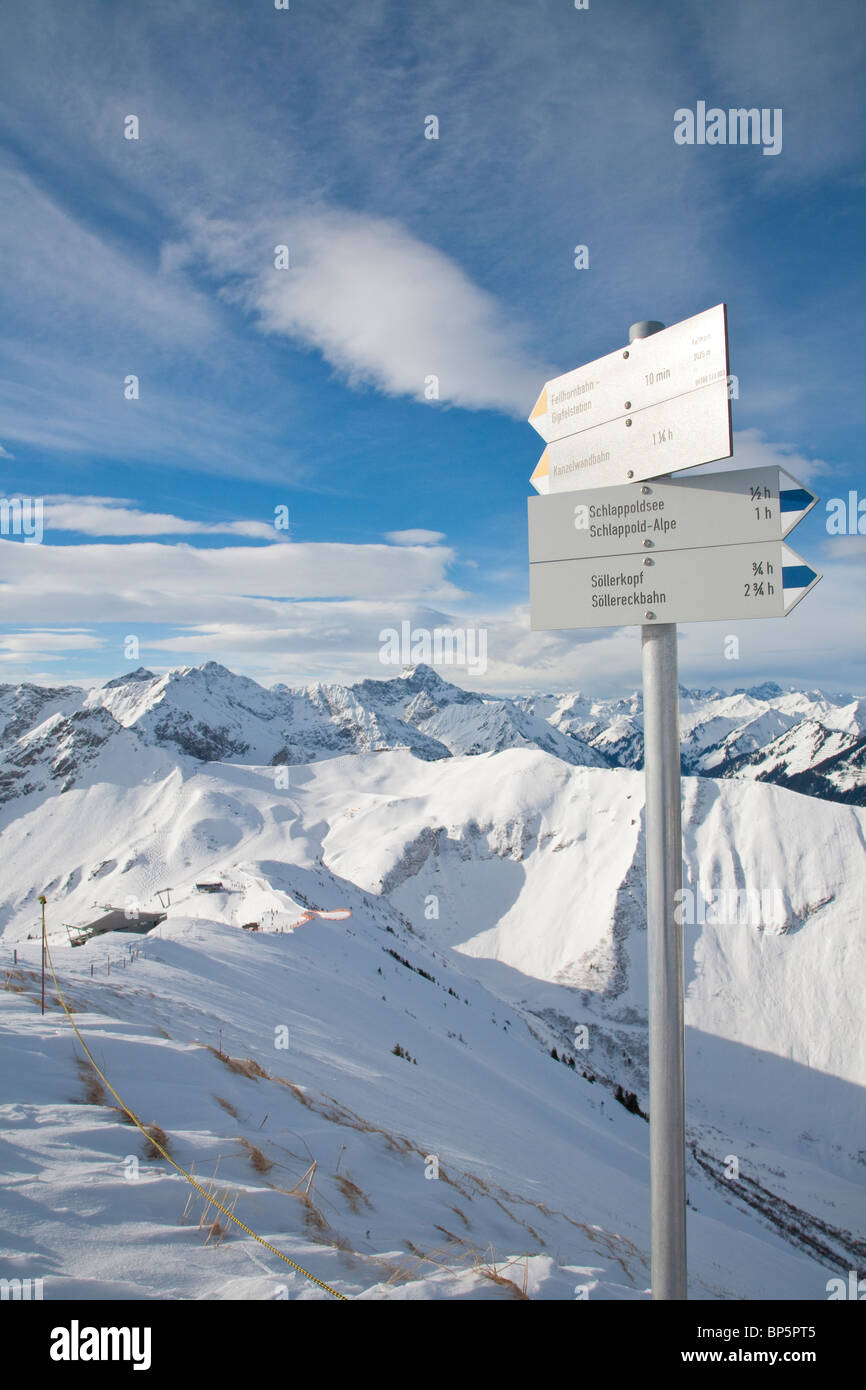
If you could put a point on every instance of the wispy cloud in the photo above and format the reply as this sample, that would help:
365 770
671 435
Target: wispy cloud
74 280
47 644
410 260
805 58
417 537
384 308
54 402
753 450
108 516
151 582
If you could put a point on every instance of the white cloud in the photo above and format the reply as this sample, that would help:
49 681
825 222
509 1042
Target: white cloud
752 450
338 640
851 549
48 643
179 584
107 516
68 278
54 401
384 308
415 537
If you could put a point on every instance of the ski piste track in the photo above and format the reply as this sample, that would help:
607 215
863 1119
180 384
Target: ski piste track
825 1242
149 1136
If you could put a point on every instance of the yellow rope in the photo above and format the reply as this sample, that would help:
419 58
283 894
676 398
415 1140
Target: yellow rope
190 1179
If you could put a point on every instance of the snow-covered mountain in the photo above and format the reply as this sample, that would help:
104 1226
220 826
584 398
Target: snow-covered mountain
809 758
808 741
433 922
765 732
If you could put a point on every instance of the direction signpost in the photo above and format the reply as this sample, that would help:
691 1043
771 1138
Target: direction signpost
673 362
658 405
613 542
762 579
710 509
692 429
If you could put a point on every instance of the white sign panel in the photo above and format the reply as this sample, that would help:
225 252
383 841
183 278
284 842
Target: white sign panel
751 504
677 360
728 582
680 433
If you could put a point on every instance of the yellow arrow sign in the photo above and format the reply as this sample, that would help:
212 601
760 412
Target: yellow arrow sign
541 477
540 407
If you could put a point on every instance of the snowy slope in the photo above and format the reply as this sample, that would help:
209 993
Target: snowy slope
538 1179
500 897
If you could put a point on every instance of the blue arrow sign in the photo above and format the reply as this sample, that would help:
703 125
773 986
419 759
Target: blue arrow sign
797 578
795 501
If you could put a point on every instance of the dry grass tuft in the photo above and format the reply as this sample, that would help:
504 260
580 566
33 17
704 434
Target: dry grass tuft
209 1220
257 1158
226 1105
401 1274
314 1220
14 982
94 1091
125 1116
155 1135
298 1093
397 1142
450 1236
488 1270
452 1182
242 1066
352 1193
343 1244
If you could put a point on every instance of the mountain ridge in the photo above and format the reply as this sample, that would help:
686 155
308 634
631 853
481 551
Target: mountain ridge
810 742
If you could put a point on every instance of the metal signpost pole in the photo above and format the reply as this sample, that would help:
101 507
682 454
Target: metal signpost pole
664 867
43 900
614 540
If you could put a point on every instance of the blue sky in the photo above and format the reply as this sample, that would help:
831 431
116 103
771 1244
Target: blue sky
409 257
